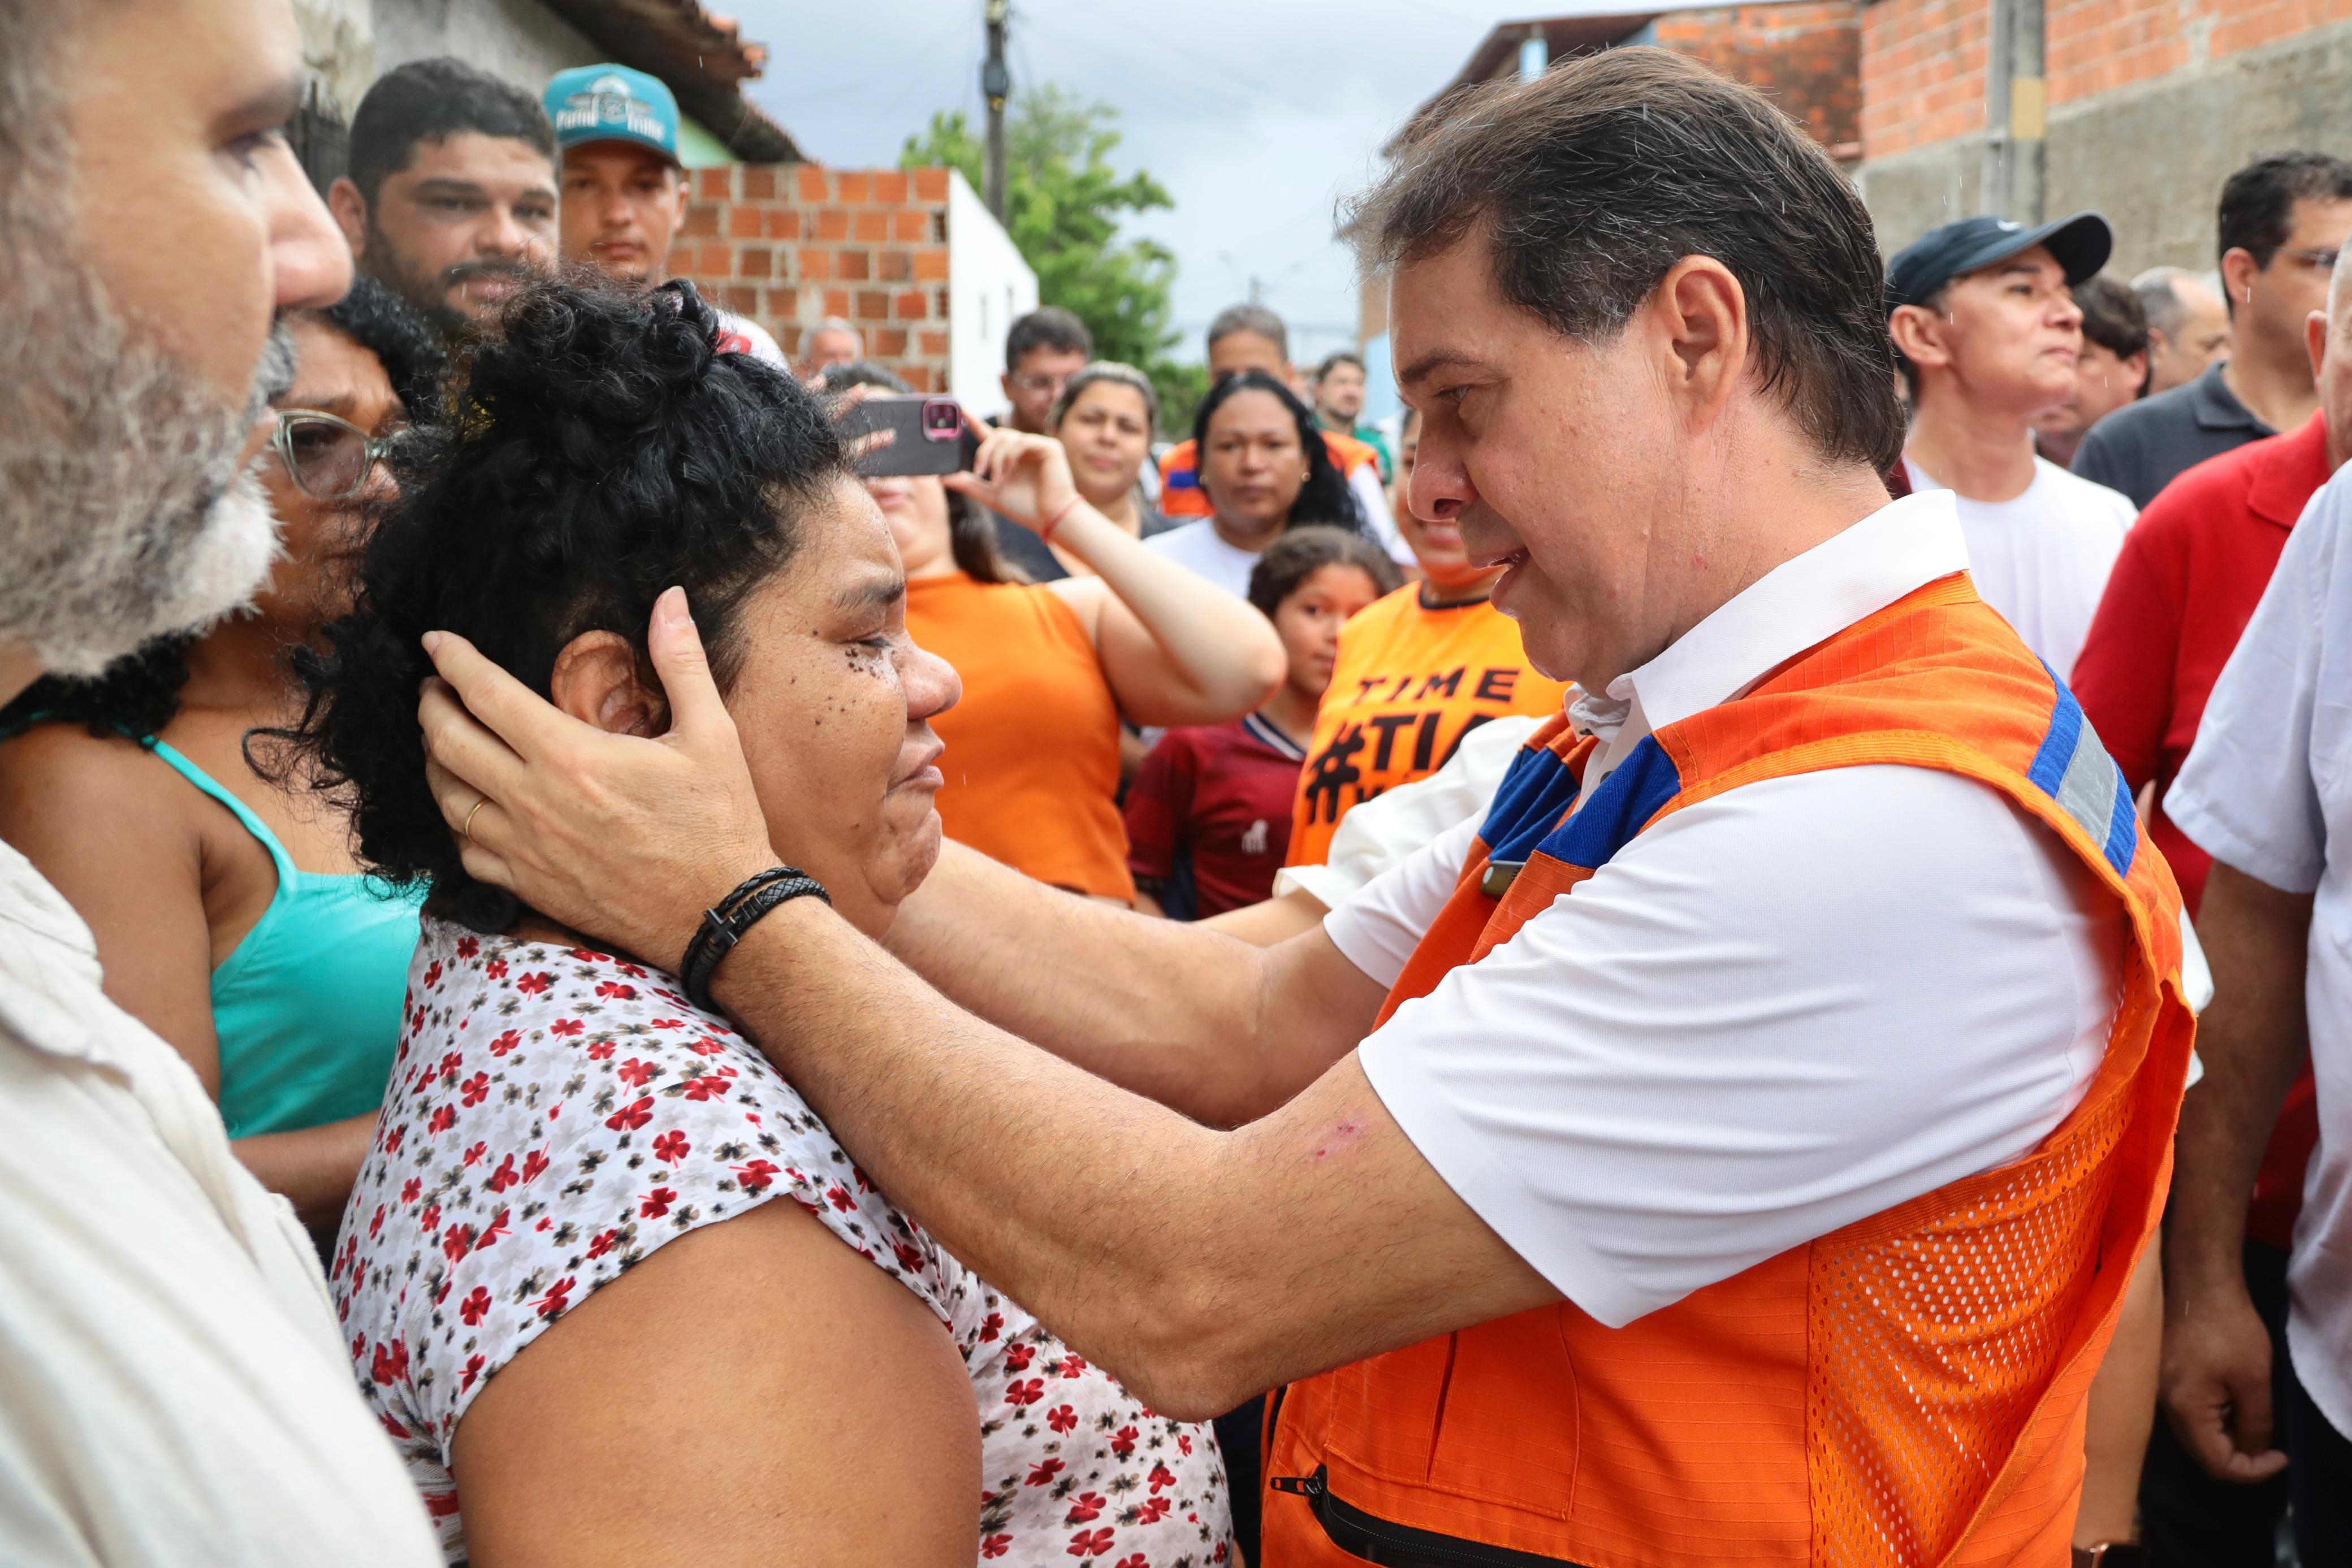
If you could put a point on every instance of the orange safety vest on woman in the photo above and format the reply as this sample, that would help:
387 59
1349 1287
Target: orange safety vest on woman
1032 759
1907 1390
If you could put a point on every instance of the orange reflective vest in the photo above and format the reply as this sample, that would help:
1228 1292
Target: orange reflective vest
1907 1390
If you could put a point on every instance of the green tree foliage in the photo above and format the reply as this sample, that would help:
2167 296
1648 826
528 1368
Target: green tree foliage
1064 203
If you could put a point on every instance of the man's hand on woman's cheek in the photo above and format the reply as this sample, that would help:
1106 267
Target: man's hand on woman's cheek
617 836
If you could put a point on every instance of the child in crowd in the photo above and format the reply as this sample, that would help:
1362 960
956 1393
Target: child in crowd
1208 817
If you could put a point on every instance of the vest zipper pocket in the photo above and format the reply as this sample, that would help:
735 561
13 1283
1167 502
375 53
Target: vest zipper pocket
1383 1541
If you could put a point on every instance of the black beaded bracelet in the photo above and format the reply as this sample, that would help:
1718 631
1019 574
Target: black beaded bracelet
724 924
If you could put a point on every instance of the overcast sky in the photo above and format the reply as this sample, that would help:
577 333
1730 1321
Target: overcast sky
1254 114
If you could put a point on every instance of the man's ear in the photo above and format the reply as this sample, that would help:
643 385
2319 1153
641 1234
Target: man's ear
343 200
2238 270
1700 311
595 681
1918 332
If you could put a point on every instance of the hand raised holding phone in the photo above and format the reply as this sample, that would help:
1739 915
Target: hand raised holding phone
1024 477
904 434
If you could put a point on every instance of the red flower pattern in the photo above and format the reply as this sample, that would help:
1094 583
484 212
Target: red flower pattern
595 1070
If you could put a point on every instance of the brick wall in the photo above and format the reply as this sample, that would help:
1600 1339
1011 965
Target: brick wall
1922 72
1805 56
789 244
1923 61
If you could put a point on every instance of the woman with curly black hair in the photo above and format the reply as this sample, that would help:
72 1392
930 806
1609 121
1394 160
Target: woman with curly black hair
227 911
591 1332
1264 467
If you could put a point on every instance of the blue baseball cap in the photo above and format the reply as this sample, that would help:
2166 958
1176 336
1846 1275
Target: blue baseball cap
2081 245
611 103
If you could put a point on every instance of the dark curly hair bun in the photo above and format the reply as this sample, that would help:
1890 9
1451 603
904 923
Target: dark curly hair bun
599 448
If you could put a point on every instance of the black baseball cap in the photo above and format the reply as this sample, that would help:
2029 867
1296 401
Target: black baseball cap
2080 244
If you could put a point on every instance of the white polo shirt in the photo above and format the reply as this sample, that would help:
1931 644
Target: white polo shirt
174 1387
2267 790
1775 1013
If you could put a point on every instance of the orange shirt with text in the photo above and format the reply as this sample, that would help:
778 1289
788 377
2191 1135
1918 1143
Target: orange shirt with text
1410 682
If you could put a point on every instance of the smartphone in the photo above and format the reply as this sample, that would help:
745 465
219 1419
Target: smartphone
928 435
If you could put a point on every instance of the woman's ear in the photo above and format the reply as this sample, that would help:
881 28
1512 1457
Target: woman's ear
595 681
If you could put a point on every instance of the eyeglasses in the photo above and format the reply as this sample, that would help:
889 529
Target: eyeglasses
2317 260
1032 382
328 459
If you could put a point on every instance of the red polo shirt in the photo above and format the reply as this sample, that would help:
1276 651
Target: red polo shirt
2192 571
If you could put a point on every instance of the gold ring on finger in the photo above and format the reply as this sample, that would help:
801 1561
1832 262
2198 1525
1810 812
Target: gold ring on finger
467 831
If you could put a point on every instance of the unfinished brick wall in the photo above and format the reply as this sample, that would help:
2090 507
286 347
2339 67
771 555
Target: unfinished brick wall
791 244
1806 58
2094 46
1923 61
1923 66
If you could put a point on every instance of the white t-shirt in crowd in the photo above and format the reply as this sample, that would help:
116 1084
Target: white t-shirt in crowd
1374 497
2266 790
1198 545
2043 559
173 1387
1777 1012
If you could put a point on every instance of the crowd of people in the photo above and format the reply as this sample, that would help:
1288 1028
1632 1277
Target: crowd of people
1602 972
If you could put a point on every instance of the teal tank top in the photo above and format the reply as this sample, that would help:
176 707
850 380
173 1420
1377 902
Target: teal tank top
308 1008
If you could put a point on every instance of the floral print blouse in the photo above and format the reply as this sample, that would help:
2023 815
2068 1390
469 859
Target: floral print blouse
556 1113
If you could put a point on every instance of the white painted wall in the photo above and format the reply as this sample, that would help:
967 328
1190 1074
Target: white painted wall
989 286
520 40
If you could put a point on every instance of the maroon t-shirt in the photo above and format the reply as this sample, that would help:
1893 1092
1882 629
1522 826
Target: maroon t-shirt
1208 816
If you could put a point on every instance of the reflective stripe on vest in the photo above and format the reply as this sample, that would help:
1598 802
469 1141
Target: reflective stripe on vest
1907 1390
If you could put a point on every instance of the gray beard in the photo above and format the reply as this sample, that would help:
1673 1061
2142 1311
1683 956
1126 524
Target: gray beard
123 515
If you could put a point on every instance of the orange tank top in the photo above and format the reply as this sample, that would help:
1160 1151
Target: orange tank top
1906 1392
1410 682
1032 761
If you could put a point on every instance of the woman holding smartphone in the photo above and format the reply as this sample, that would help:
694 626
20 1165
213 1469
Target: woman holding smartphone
1050 669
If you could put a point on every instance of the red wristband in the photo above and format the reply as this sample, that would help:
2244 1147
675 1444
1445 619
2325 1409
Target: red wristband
1045 530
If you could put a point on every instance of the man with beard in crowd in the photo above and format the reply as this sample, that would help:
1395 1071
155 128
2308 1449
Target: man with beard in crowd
173 1384
451 200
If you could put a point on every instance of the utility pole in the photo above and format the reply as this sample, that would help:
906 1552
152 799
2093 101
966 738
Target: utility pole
996 86
2015 112
1534 52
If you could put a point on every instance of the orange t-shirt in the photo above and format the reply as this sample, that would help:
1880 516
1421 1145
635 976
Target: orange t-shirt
1031 759
1410 682
1180 495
